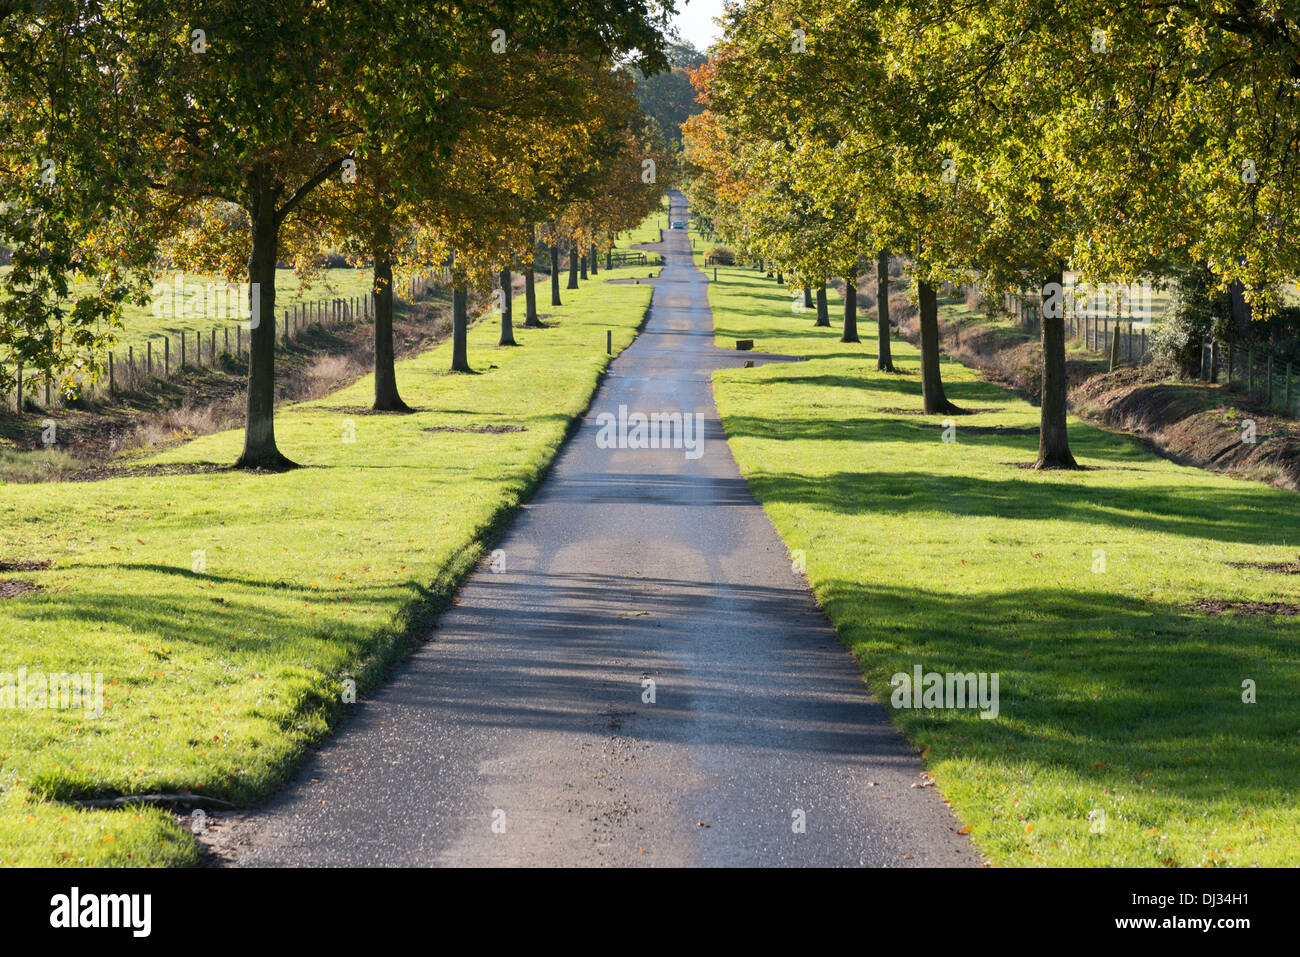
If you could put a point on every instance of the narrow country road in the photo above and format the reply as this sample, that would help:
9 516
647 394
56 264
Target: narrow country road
522 735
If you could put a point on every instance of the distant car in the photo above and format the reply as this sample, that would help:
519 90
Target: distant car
677 224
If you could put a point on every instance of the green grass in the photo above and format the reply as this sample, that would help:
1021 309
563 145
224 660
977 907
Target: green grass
218 675
647 232
1116 695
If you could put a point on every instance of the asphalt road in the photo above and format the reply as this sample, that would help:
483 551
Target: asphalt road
524 734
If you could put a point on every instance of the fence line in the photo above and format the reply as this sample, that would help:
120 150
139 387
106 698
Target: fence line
128 372
1254 370
1096 333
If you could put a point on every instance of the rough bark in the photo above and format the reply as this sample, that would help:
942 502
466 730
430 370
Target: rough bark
386 395
823 314
583 263
595 260
935 402
573 268
260 450
530 299
555 275
1053 436
459 329
884 356
807 297
507 311
850 308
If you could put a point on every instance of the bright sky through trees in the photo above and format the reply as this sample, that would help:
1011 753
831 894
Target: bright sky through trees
694 21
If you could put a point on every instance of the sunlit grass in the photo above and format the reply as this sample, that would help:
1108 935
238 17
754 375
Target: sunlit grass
1118 698
226 610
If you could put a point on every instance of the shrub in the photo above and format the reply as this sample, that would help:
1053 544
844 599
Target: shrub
1197 311
722 255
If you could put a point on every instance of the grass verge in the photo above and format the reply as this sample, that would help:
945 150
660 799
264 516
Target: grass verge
1123 737
225 610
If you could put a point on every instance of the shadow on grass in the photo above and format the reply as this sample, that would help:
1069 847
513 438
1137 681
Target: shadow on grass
1124 693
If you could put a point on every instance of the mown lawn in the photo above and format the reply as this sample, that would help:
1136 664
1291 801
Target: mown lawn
1122 738
226 610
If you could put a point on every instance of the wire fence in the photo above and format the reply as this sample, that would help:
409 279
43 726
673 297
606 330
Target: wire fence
1257 371
162 357
1097 333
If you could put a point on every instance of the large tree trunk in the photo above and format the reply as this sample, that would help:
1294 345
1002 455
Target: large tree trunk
507 311
1239 311
573 267
884 357
935 402
386 397
850 308
595 260
823 314
582 265
530 299
555 275
260 451
1053 437
459 329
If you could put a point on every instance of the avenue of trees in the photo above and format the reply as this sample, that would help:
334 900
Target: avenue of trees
220 136
1005 143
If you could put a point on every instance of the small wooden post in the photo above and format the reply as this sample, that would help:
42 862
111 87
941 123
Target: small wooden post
167 356
112 385
198 349
148 357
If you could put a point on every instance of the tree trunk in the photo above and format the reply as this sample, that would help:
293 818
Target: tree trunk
595 259
507 311
780 278
555 275
850 308
260 451
807 297
823 314
884 357
573 268
1053 438
386 397
530 299
459 329
1239 311
935 401
582 265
